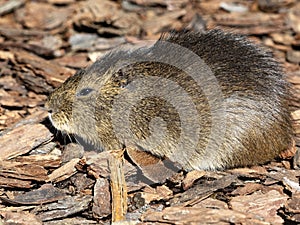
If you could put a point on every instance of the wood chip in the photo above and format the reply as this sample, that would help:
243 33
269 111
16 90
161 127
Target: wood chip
153 168
262 205
26 140
63 208
102 199
20 218
118 186
64 172
47 193
53 73
192 215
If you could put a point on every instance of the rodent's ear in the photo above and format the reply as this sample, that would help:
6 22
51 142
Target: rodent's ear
84 92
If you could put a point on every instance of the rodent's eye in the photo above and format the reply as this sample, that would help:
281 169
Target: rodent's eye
85 91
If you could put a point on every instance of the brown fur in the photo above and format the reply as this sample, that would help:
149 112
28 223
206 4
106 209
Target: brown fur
255 123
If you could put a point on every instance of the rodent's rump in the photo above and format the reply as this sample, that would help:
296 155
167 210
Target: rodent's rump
207 101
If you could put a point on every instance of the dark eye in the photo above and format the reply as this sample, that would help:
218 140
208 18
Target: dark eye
85 91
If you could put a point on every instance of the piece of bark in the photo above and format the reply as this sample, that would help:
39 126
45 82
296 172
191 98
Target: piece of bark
293 56
248 188
118 186
45 194
22 171
292 209
152 167
158 23
61 2
20 218
9 117
23 34
9 6
72 151
51 72
78 61
82 183
250 23
283 38
191 177
71 221
106 18
63 208
54 18
47 161
26 141
193 215
274 5
212 203
155 194
9 83
289 178
91 42
293 18
6 182
102 199
64 172
260 204
170 4
195 194
292 206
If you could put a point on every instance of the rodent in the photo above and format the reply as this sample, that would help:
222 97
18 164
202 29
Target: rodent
253 125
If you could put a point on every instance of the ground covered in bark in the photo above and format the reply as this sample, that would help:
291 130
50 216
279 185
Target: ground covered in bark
46 178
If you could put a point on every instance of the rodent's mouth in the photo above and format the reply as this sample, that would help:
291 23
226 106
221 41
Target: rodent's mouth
59 123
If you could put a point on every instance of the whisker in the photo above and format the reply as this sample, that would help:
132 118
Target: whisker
77 141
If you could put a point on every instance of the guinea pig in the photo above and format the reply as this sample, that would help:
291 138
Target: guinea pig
208 101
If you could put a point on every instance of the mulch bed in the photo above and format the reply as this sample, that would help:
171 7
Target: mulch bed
46 178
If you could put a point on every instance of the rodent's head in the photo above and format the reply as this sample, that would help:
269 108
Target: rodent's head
60 103
82 103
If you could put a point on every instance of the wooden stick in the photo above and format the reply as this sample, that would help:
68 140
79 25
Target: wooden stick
118 186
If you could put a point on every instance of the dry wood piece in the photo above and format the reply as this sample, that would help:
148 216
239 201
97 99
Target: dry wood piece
10 6
154 194
102 199
20 34
199 192
26 141
91 42
6 182
152 167
71 221
64 172
293 56
63 208
191 177
292 206
46 16
21 218
194 215
106 17
250 23
22 171
118 186
157 23
46 194
293 18
170 4
262 205
51 72
46 161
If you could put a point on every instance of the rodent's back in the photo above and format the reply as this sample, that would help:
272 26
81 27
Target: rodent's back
245 122
256 95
